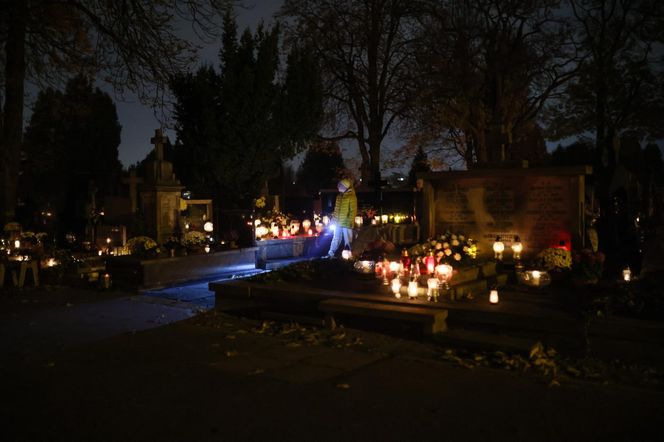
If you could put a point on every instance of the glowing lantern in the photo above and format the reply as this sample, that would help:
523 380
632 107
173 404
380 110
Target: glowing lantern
346 254
444 273
359 221
412 289
106 281
208 227
517 248
498 248
378 268
394 267
537 275
310 232
405 259
294 228
17 244
326 220
257 222
432 289
493 296
99 253
374 221
319 227
396 288
627 274
261 231
51 262
284 234
306 225
108 240
430 263
207 248
383 219
275 231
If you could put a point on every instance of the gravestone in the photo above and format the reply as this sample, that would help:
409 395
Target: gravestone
542 206
133 181
199 211
160 196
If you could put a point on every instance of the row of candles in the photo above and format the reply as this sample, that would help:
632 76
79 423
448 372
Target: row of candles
395 270
294 228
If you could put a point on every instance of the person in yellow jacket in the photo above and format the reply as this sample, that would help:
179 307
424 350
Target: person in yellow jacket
345 209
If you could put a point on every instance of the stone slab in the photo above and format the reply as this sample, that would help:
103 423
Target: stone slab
132 273
541 206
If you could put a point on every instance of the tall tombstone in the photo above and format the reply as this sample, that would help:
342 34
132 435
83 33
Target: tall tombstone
543 206
160 196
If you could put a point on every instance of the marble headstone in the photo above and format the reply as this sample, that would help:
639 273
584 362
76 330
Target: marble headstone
542 206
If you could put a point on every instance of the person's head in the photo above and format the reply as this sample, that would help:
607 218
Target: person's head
343 185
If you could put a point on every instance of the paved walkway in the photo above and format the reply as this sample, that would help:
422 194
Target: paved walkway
49 328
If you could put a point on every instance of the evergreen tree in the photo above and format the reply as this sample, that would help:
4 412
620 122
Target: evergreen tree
137 44
72 140
236 127
420 164
322 166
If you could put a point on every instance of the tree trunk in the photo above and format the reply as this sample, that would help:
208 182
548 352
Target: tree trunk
12 125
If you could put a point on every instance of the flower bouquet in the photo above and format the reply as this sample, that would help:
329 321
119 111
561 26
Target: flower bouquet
194 240
448 248
142 246
555 258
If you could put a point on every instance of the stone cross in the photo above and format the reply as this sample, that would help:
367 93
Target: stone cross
158 140
133 182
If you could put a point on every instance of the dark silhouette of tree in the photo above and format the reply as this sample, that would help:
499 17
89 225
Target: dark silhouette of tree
617 88
235 128
71 141
420 164
321 168
363 48
576 154
134 43
490 67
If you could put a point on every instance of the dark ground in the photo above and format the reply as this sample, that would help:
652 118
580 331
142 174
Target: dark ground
218 377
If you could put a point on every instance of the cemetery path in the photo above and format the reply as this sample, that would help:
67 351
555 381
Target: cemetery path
45 320
218 377
47 329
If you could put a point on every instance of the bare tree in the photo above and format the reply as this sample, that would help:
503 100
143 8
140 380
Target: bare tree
491 65
365 50
620 86
135 43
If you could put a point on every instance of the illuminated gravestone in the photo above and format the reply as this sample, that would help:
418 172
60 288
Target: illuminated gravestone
541 206
160 195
